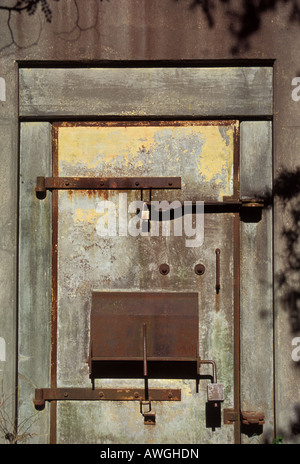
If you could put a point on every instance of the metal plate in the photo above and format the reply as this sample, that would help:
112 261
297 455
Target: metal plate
117 320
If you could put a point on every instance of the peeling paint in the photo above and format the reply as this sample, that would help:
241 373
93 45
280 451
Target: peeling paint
150 150
83 215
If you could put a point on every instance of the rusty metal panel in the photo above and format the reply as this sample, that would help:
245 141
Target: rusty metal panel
171 319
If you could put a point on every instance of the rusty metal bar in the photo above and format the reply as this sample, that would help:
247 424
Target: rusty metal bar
53 352
236 283
145 349
103 394
106 183
218 285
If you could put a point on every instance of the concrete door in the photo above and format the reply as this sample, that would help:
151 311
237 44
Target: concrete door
100 244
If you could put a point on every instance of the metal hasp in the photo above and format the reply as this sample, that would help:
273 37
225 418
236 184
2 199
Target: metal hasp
105 183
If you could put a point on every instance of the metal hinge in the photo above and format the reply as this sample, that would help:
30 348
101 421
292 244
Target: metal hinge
103 394
252 417
105 183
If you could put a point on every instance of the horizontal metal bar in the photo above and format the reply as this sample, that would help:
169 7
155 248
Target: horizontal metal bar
150 358
103 394
227 206
106 183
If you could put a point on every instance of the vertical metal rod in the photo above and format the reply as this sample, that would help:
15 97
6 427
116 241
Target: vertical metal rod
145 361
236 280
218 286
145 349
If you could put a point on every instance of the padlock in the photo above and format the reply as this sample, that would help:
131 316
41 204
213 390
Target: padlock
145 212
145 218
215 392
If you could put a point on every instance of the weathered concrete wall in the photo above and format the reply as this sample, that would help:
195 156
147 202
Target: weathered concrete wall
92 31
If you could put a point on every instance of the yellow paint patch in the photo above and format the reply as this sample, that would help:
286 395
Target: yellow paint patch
86 215
93 145
204 149
216 157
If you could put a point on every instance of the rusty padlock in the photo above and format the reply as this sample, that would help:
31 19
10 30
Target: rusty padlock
215 392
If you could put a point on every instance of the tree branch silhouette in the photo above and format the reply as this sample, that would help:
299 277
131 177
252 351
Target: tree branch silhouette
30 6
246 19
286 190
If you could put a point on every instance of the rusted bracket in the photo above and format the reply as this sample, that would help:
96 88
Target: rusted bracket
230 416
103 394
246 417
252 203
105 183
252 417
